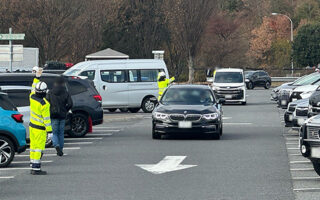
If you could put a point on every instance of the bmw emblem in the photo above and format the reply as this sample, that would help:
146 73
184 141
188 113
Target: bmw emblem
185 112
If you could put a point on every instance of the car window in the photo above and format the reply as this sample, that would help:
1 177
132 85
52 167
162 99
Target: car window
262 74
90 74
228 77
75 87
149 75
6 104
113 76
187 96
133 75
19 98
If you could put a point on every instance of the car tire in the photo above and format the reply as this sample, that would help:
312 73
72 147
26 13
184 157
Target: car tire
112 110
267 85
316 165
250 85
216 136
221 131
79 125
134 110
7 151
148 105
244 103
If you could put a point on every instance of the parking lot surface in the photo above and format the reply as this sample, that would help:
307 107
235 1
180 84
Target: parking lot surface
119 160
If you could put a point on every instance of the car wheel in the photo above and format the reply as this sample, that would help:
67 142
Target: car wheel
6 151
134 110
112 109
79 125
48 142
215 136
250 85
316 165
267 85
221 131
244 103
148 105
123 109
155 135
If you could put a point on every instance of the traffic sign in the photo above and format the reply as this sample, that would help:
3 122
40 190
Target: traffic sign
19 36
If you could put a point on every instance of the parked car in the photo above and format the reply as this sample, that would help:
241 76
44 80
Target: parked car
86 110
314 103
300 115
288 114
276 91
285 92
303 92
257 79
12 131
125 84
309 142
188 109
229 83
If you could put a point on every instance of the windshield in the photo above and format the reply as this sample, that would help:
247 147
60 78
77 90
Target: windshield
187 96
308 79
228 77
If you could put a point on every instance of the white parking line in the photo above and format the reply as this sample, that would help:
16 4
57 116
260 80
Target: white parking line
305 178
291 134
106 127
27 162
293 139
237 123
86 138
104 130
300 162
6 177
302 169
226 117
295 154
292 143
72 143
99 134
306 189
293 148
45 155
15 168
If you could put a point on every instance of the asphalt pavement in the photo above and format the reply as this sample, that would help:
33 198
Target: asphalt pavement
122 162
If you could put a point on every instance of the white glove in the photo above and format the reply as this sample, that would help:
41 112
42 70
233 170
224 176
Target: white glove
39 72
50 135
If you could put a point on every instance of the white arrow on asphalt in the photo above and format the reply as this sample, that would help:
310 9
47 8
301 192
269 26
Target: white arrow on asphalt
167 164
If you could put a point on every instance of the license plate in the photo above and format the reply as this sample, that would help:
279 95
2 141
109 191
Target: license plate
294 99
283 102
315 152
228 96
185 124
290 118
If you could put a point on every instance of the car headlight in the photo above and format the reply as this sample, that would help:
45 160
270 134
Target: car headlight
210 116
161 116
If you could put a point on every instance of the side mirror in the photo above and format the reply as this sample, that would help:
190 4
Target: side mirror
221 101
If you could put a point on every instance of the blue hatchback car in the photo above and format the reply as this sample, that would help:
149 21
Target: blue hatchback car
12 131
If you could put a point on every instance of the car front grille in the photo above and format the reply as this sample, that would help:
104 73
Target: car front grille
188 117
313 132
301 112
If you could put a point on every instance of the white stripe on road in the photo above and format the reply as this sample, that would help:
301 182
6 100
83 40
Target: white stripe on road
295 154
302 169
26 162
294 139
104 130
305 178
306 189
237 123
293 148
45 155
291 134
15 168
99 134
86 138
292 143
72 143
300 162
226 117
6 177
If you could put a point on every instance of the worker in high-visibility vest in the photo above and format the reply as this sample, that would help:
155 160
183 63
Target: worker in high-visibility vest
163 83
40 123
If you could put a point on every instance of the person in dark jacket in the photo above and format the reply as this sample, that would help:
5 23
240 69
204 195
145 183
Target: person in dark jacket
61 103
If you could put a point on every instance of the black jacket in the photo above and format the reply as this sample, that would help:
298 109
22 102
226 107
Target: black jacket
60 102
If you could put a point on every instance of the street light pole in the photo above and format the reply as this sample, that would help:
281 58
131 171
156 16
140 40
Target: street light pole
274 14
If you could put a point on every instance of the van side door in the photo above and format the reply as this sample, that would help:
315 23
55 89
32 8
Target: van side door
113 88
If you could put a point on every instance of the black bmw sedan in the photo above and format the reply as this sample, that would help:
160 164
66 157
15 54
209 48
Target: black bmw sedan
188 109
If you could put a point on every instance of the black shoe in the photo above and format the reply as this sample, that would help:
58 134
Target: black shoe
38 172
59 151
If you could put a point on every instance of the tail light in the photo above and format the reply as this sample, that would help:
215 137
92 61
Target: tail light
98 98
18 118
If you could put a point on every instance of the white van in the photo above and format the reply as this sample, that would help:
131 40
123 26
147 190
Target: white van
229 83
128 83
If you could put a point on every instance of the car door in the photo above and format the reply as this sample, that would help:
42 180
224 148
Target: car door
20 98
114 88
262 78
255 78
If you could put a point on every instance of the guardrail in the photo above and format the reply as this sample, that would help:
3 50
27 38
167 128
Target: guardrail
283 79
